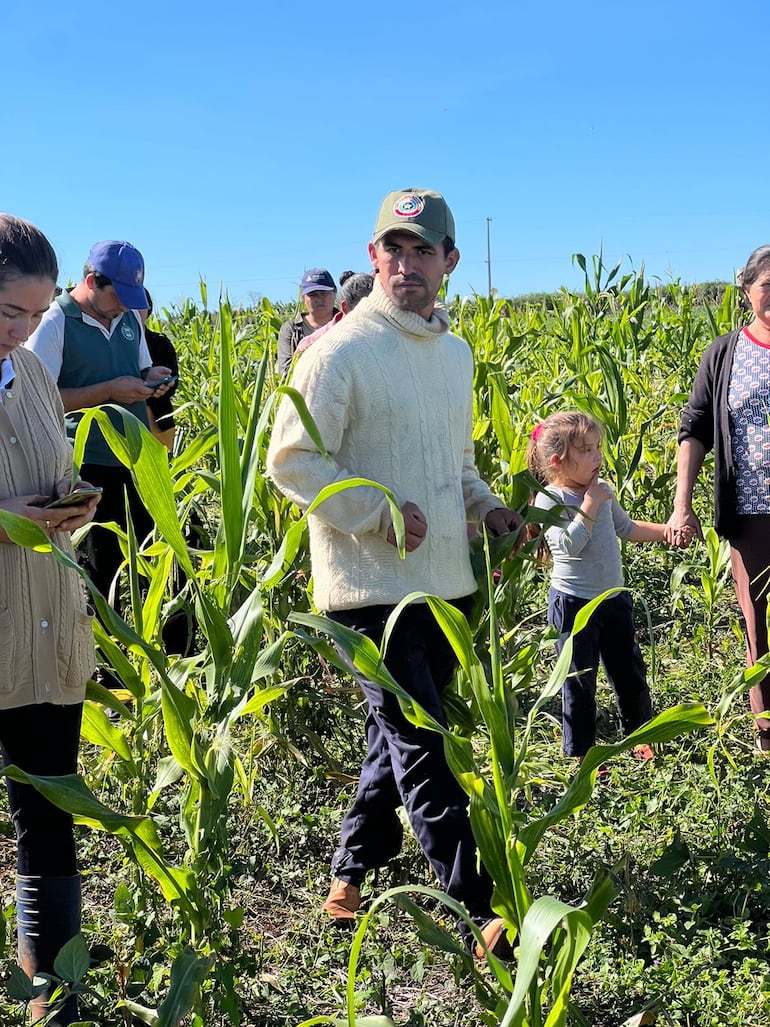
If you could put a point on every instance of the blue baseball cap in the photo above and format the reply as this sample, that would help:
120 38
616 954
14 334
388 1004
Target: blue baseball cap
317 279
123 264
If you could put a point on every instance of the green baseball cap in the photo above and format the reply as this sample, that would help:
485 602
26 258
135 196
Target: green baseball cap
419 211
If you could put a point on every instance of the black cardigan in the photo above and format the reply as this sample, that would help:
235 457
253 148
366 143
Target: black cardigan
706 419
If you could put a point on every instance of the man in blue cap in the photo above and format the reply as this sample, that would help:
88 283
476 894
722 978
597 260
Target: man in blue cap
91 340
318 294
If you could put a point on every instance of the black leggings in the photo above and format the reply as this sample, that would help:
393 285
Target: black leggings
43 740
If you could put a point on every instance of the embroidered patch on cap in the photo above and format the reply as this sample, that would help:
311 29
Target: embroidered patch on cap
139 275
408 206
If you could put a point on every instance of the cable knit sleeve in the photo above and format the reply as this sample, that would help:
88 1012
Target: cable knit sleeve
295 464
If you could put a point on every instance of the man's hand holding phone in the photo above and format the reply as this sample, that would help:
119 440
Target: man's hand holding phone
169 380
159 379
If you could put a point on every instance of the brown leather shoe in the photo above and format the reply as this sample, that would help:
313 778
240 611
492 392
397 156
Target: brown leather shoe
495 935
342 902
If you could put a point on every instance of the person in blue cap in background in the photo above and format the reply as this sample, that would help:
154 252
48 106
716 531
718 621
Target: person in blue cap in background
91 340
318 294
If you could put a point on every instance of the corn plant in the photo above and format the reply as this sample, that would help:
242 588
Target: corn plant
178 731
711 568
551 935
189 742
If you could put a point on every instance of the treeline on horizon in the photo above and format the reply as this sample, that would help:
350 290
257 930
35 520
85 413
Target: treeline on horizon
700 292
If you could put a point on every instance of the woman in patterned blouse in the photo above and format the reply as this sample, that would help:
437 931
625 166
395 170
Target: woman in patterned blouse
729 412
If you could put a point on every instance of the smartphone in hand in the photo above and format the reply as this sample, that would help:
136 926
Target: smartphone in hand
75 498
164 381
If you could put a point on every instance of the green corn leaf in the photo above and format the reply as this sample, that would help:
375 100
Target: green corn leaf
291 543
168 773
177 885
97 693
69 792
501 415
429 931
188 972
246 627
669 724
134 585
97 729
118 660
252 449
268 662
179 715
260 699
543 917
232 512
25 532
147 459
194 452
154 596
304 415
367 658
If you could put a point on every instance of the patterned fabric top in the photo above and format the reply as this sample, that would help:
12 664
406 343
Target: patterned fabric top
749 408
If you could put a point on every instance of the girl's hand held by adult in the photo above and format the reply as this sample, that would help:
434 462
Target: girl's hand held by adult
682 527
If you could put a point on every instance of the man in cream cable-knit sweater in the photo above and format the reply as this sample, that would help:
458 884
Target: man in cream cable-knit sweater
390 389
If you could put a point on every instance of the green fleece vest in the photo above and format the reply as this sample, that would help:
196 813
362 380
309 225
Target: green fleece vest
89 358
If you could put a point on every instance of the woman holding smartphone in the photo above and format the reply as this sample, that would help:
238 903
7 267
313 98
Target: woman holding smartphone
47 652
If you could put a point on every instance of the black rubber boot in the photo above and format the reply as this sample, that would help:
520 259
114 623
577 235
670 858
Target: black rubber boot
47 916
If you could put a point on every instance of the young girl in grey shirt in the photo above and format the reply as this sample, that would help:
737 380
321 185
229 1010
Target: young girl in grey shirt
565 456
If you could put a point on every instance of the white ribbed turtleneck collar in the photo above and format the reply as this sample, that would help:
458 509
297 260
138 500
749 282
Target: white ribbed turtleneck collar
406 320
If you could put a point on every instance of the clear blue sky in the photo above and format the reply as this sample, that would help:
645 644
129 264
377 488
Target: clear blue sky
245 141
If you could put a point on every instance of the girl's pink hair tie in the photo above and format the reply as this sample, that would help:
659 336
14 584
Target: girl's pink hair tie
536 432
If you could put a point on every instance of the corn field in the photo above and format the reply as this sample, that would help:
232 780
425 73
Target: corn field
174 798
